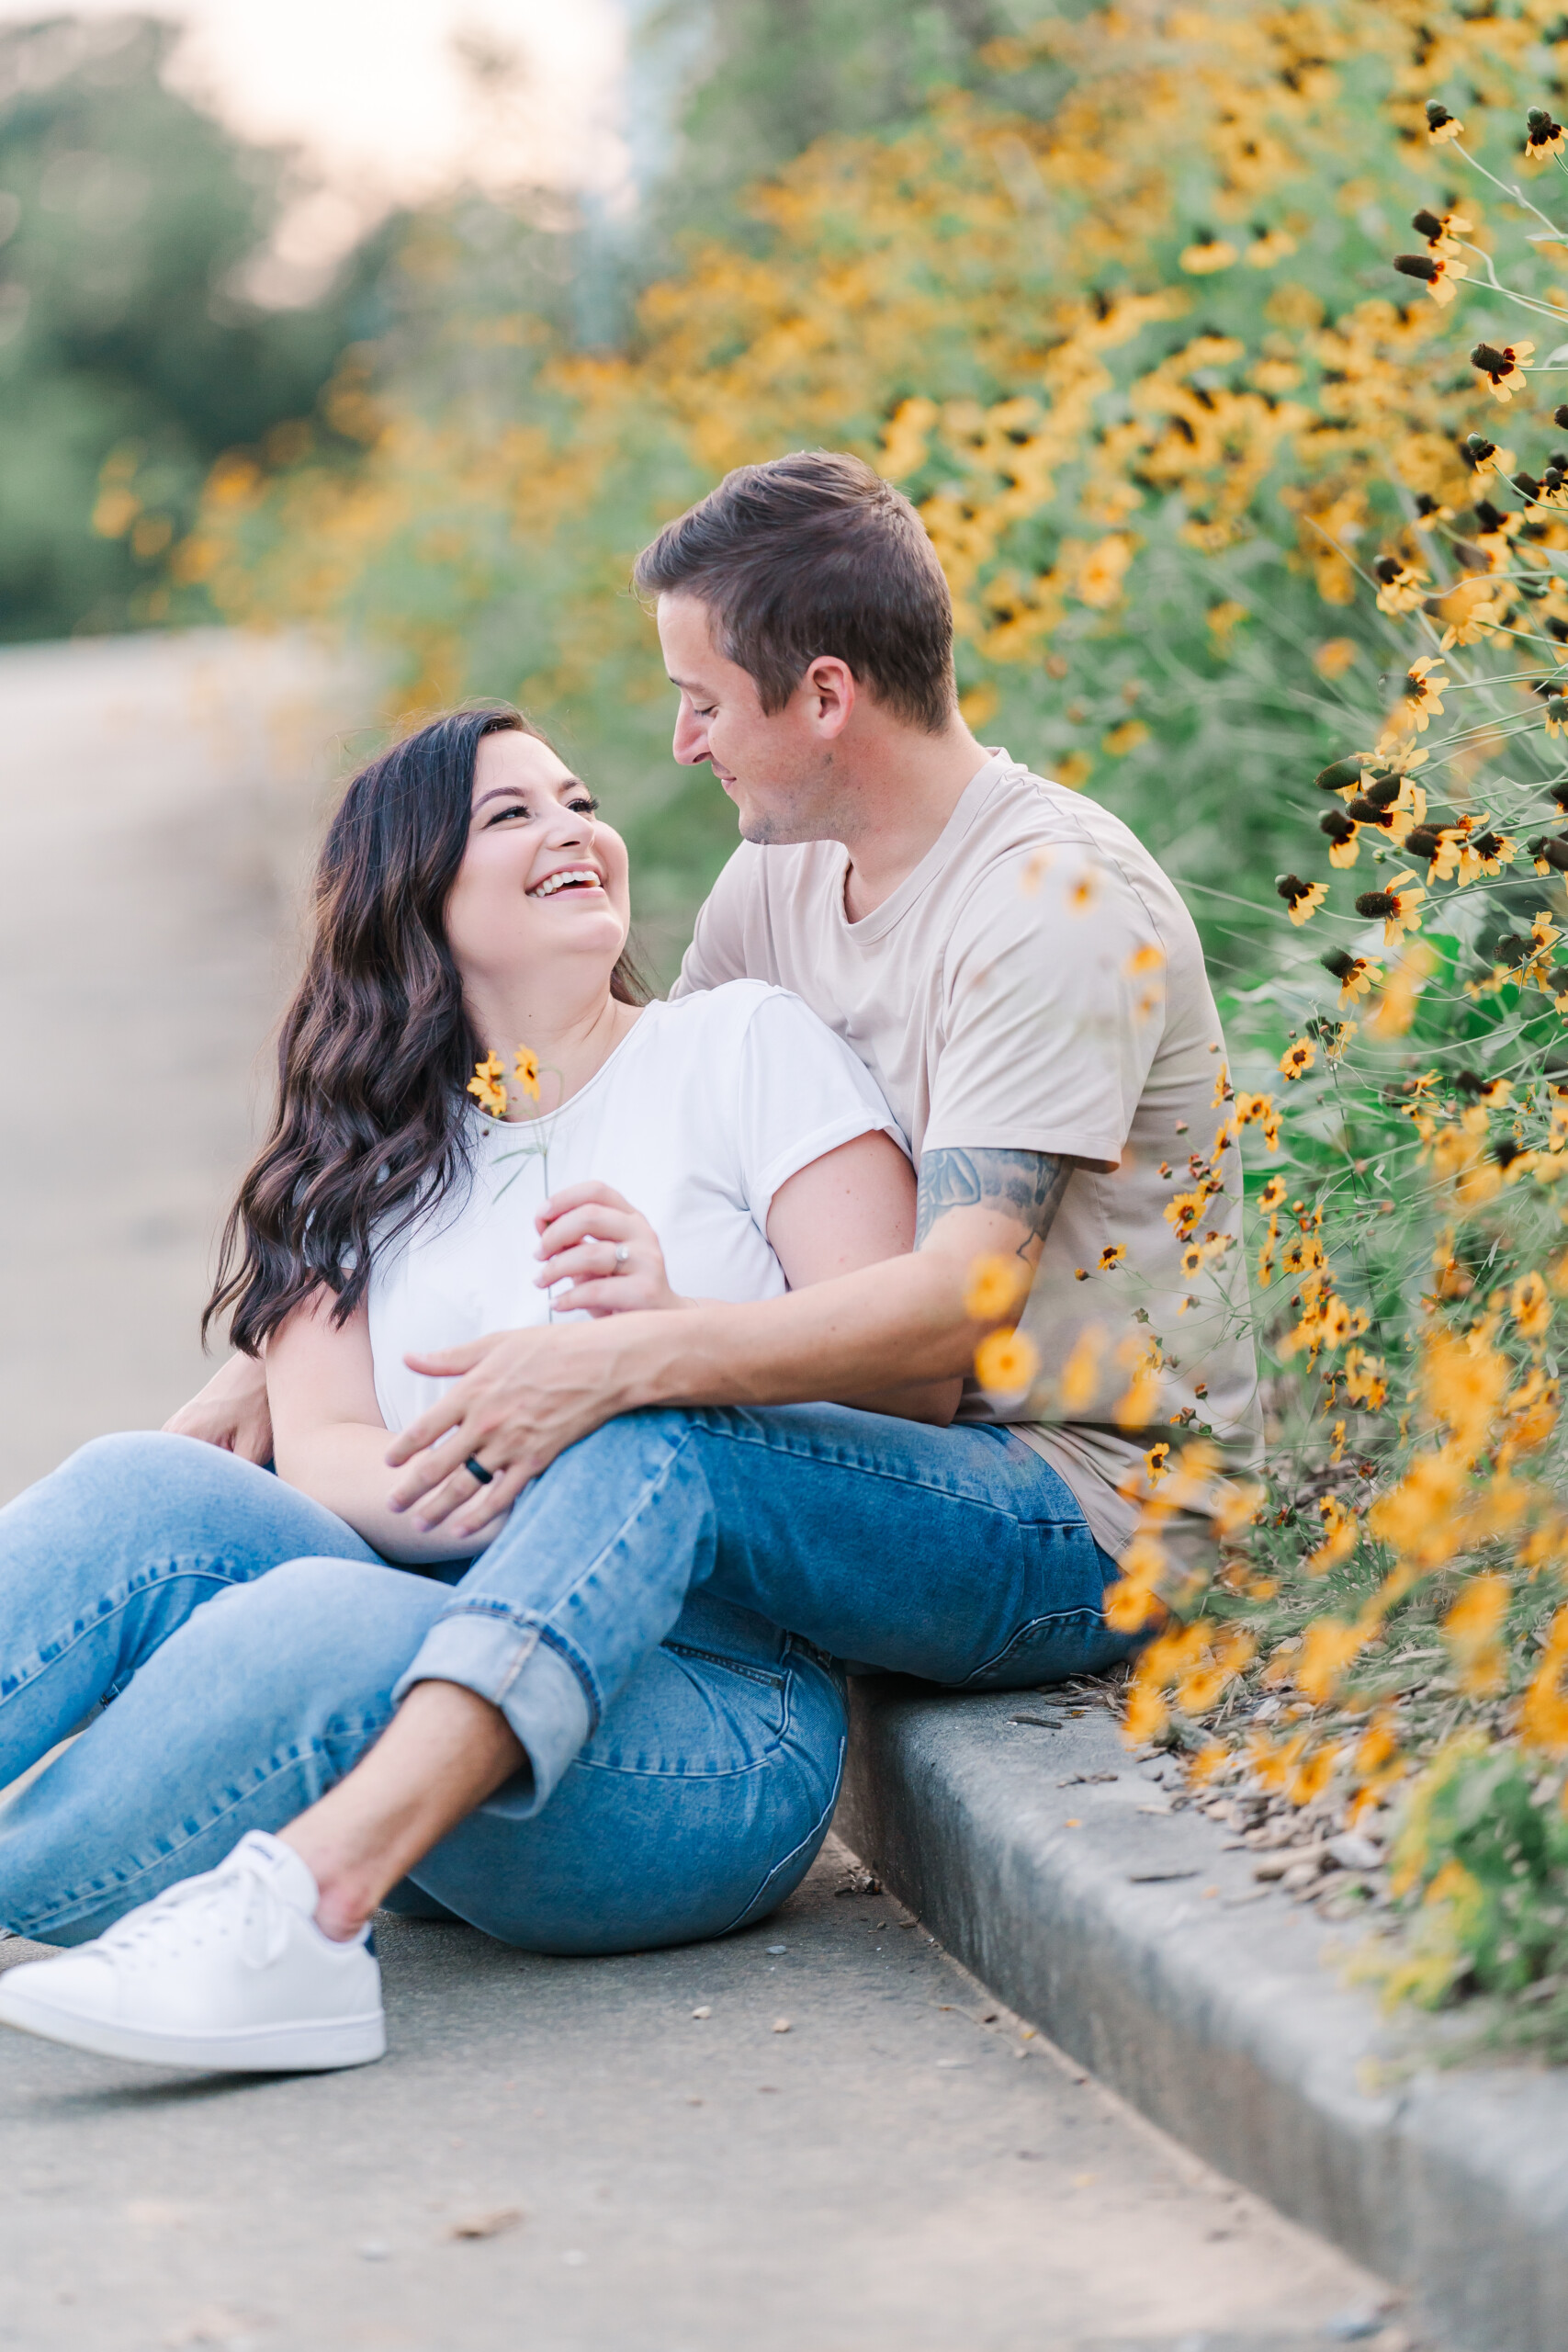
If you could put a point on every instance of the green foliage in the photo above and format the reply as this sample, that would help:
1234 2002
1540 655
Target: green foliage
126 363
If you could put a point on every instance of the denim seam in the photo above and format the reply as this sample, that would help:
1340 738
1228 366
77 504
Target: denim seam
1084 1613
76 1900
838 1459
731 1772
817 1830
28 1675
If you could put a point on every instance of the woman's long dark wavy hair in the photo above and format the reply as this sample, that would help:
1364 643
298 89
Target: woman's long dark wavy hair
376 1049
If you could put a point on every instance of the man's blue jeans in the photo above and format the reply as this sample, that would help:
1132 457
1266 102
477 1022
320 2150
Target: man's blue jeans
656 1621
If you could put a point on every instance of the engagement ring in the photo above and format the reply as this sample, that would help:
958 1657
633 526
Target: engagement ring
622 1253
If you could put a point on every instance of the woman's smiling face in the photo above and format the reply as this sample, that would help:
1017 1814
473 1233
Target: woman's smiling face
542 877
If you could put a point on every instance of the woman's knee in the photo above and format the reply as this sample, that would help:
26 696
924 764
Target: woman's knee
637 1849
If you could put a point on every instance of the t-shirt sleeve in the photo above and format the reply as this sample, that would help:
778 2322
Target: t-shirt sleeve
801 1093
718 952
1054 1004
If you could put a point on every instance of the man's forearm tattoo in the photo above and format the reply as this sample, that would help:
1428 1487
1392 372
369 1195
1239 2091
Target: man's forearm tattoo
1025 1184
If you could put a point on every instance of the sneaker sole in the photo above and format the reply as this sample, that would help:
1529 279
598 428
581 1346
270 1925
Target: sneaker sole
319 2048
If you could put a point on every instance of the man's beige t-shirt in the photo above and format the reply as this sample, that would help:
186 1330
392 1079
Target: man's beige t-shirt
1036 984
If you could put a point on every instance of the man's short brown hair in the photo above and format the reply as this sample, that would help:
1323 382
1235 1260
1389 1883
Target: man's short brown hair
813 554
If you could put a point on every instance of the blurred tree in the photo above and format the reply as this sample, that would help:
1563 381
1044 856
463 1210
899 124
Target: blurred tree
129 359
764 79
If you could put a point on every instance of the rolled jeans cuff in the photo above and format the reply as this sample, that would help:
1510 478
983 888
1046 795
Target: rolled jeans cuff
541 1695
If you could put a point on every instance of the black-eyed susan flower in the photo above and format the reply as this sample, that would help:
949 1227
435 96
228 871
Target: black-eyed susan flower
1005 1362
1556 714
1273 1193
1155 1462
1551 853
1399 907
1484 853
489 1087
1342 830
1442 231
1206 254
1544 137
1340 776
1303 899
1297 1059
1253 1110
1400 586
1112 1255
1268 246
1425 683
1437 272
1503 365
1441 126
1357 975
526 1070
1472 610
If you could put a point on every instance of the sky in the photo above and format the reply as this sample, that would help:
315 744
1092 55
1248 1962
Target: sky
378 95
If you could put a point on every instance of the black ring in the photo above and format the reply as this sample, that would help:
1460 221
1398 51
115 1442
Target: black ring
477 1469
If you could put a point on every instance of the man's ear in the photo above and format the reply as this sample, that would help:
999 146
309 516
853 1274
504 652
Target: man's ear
830 690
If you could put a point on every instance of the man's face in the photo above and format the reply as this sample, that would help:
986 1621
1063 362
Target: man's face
779 770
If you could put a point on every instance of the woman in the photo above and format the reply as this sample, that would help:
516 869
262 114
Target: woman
473 1094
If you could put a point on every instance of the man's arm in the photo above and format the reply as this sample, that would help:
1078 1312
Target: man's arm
232 1412
520 1398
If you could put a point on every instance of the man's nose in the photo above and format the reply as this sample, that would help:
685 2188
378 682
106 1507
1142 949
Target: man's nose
691 744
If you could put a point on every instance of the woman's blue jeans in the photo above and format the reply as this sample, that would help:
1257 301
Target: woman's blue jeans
683 1751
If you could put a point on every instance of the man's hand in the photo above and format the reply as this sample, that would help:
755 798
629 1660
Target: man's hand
231 1411
518 1399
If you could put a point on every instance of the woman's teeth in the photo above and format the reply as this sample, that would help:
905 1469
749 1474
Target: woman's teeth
573 877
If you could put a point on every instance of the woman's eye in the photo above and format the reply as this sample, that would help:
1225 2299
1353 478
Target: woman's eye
586 806
500 817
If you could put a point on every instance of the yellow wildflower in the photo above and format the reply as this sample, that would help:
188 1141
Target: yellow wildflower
1472 1630
1005 1362
1205 255
994 1287
488 1087
1543 1721
1297 1059
1303 899
526 1070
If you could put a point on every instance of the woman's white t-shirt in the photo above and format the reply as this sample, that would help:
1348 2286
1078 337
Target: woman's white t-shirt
703 1110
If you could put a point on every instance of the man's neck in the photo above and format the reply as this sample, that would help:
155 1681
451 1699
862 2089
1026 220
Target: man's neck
906 788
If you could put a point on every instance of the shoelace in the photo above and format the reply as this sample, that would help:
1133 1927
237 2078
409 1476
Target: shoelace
175 1921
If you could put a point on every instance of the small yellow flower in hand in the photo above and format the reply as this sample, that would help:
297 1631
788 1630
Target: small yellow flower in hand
526 1070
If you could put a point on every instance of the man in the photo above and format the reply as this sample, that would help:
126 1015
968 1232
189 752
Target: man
1028 990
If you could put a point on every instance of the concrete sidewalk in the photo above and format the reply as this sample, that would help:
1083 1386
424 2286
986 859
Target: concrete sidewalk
1048 1861
626 2155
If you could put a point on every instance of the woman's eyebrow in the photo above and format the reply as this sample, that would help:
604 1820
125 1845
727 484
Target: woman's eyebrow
519 792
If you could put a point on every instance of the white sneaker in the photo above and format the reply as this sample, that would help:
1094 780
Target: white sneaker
228 1971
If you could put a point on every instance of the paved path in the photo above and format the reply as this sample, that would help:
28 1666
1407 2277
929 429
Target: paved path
557 2157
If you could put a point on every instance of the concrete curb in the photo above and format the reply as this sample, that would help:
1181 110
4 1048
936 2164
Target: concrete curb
1218 2016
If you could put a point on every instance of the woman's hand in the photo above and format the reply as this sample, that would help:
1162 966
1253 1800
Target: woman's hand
232 1412
582 1229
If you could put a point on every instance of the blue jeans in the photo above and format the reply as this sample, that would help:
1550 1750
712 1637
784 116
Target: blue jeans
684 1750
